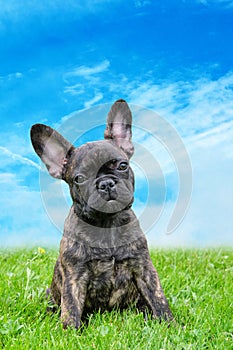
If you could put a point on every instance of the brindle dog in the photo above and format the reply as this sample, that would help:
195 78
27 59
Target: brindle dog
104 261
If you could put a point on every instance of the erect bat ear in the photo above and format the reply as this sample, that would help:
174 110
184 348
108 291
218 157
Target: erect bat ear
51 147
118 128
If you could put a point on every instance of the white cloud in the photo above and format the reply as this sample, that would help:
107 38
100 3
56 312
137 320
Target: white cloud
221 135
98 97
14 11
18 158
91 75
11 76
76 89
141 3
23 219
189 106
7 178
84 71
222 3
208 221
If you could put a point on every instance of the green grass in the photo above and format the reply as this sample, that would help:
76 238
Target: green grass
197 283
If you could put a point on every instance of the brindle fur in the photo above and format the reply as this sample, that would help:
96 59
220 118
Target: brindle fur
104 261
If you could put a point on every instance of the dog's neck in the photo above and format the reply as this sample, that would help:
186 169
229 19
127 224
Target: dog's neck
105 220
100 219
116 231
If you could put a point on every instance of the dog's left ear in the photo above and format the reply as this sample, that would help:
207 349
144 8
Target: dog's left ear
118 128
51 147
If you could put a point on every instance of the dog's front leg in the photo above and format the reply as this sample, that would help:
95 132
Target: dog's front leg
73 298
150 289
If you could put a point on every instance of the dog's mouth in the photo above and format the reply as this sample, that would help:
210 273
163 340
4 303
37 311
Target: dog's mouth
109 197
107 203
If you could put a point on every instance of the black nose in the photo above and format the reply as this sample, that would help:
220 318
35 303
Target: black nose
106 185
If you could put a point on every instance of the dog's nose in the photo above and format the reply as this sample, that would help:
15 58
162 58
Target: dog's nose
106 185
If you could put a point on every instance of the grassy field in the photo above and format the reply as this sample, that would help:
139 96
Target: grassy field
197 283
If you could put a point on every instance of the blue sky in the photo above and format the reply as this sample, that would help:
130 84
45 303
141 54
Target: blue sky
173 58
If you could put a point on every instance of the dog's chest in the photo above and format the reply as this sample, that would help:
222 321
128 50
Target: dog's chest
110 285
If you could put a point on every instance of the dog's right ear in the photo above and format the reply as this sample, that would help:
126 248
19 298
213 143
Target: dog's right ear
51 147
119 127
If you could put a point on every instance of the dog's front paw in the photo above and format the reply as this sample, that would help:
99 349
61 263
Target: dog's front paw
70 321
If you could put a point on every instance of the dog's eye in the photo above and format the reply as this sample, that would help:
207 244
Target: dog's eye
123 166
79 179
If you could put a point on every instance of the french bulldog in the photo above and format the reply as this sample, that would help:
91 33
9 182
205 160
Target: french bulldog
104 261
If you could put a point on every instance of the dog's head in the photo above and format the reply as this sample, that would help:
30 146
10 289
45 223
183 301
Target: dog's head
98 173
